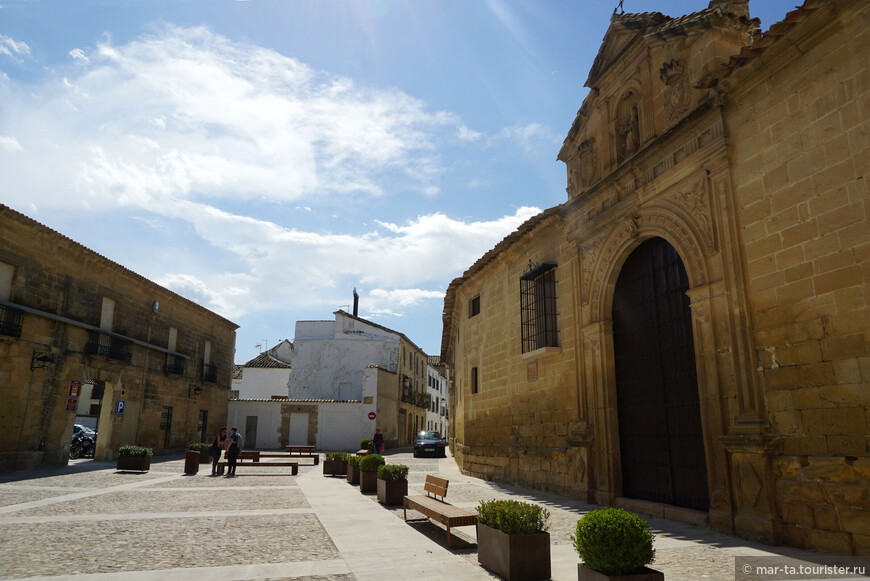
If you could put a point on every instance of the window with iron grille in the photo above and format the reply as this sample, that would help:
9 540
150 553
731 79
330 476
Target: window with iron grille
538 308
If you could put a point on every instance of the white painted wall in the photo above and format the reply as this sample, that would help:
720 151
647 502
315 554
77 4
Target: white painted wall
268 421
436 387
262 382
330 357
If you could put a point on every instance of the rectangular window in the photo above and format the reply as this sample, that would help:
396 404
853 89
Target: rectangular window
6 272
201 425
538 308
474 307
94 410
107 314
474 380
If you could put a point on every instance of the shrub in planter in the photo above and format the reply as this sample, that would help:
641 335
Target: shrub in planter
202 448
512 539
615 543
392 483
368 477
353 468
335 463
135 458
365 443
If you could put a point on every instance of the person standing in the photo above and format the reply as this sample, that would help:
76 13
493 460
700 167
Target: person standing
217 447
234 444
378 441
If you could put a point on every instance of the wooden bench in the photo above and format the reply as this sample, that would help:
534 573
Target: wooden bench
252 458
438 510
303 452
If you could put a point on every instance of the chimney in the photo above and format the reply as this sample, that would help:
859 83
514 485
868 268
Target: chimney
355 303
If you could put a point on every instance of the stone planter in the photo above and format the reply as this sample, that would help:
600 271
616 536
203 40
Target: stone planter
586 574
353 474
391 492
514 557
368 481
334 467
134 463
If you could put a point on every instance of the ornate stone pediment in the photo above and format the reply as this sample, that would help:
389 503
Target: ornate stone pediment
624 29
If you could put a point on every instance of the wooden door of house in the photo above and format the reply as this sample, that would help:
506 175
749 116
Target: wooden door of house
660 434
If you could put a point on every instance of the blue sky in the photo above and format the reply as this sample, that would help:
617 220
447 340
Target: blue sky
263 158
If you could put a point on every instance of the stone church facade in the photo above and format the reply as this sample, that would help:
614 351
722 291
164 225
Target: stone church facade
687 335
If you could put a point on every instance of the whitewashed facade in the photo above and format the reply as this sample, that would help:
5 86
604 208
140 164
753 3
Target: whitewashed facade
436 387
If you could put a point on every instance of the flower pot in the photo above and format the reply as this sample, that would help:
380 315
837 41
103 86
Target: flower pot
204 458
134 463
514 557
334 467
647 574
353 474
368 481
392 492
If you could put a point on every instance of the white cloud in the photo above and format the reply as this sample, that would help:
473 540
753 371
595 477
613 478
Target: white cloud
10 144
466 134
79 55
13 49
230 119
531 136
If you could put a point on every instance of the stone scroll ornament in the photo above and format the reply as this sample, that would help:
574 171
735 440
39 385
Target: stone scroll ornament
676 91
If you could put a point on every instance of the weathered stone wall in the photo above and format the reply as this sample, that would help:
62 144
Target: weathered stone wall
57 276
797 119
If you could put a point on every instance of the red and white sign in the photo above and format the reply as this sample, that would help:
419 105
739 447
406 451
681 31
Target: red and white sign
72 400
372 415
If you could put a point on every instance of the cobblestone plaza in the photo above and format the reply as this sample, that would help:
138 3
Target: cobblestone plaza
88 521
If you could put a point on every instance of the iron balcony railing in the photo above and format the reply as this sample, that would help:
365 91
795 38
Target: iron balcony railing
107 346
10 321
174 365
415 398
209 372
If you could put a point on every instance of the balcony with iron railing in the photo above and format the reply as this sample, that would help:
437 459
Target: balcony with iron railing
174 365
105 345
10 321
209 372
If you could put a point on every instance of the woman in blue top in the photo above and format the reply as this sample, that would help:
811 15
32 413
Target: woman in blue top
234 444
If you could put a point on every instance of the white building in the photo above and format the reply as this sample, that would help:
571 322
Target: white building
265 375
436 387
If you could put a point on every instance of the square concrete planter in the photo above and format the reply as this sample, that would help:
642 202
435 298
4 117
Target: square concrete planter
134 463
368 481
335 467
514 557
353 474
586 574
391 492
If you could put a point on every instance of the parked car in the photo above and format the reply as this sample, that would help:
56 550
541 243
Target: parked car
430 442
80 428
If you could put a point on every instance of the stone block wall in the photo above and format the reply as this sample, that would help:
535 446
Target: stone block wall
64 284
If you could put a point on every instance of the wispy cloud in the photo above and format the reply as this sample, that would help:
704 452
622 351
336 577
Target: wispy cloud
13 49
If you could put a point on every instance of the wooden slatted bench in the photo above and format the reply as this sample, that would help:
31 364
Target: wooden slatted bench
252 458
438 510
303 452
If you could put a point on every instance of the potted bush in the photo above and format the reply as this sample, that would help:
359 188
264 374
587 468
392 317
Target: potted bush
335 463
614 544
134 458
368 472
353 469
202 448
365 444
392 483
512 539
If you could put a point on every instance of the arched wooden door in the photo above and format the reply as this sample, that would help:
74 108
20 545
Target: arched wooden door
660 436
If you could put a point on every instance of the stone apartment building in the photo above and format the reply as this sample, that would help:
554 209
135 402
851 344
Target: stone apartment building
82 335
687 335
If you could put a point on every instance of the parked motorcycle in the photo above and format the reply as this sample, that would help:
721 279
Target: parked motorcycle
82 446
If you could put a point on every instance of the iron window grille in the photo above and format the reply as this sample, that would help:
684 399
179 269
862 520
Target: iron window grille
538 307
10 321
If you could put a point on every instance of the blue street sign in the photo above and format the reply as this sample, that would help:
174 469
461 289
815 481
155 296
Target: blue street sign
120 408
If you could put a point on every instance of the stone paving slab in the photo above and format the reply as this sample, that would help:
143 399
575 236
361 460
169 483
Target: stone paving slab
13 497
172 501
87 480
131 545
240 481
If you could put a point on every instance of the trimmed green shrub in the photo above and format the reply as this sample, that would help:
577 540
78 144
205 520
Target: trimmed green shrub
371 462
614 541
364 443
513 517
340 456
353 460
198 447
393 472
135 451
